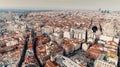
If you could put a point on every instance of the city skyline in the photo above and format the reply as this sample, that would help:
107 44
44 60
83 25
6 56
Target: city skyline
59 33
60 4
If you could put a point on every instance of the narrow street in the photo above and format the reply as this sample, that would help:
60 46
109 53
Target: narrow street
34 41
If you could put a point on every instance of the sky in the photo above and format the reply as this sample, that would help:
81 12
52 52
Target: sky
60 4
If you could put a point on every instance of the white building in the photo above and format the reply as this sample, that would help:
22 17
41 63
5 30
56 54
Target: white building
66 61
11 43
79 33
47 29
66 34
106 38
85 46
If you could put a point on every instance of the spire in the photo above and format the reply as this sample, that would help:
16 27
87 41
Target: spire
91 22
100 28
86 36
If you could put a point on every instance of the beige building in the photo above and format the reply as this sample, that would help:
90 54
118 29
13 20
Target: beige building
109 29
104 61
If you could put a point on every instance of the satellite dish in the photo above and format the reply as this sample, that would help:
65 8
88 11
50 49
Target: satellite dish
94 28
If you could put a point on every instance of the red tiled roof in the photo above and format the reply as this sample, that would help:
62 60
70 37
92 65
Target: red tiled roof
51 64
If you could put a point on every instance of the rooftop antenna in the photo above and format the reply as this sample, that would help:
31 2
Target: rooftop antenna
91 22
114 32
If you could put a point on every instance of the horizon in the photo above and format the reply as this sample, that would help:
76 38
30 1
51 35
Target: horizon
60 4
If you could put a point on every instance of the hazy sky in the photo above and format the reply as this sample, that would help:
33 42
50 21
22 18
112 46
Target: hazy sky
60 4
